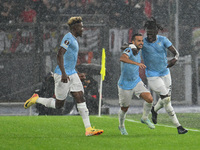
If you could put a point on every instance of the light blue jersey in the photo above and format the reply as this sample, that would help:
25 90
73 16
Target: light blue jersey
129 77
69 43
155 56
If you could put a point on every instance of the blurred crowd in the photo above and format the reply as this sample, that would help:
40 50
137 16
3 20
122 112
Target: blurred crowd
121 13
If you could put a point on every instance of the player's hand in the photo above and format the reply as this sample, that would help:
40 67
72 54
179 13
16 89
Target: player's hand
171 62
142 66
65 78
135 51
124 46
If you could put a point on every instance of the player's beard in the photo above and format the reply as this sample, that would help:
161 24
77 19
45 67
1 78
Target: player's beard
140 46
151 39
80 34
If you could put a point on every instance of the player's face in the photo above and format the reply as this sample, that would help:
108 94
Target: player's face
79 29
138 42
151 35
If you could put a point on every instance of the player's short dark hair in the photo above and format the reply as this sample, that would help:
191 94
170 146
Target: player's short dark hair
134 35
74 20
151 24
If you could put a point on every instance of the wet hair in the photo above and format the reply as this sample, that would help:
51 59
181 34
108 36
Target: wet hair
134 35
74 20
151 24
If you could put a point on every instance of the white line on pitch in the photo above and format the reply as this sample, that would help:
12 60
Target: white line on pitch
195 130
163 125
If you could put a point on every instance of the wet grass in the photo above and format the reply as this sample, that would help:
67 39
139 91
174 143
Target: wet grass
190 120
67 132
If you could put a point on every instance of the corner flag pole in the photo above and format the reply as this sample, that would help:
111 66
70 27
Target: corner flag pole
103 73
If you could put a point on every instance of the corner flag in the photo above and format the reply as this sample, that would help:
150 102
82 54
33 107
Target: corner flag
103 74
103 64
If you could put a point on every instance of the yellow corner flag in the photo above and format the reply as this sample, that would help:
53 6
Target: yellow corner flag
103 64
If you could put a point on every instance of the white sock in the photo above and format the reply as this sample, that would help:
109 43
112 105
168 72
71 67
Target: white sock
158 105
84 114
122 116
146 110
169 109
175 120
48 102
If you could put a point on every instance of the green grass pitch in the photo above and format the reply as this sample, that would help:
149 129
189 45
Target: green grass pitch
67 133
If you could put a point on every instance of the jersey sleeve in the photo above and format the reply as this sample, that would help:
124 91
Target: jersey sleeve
127 51
167 42
66 41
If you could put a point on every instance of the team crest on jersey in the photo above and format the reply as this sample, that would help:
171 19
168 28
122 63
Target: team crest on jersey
159 43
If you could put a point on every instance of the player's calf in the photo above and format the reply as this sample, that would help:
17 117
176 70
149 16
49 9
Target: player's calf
154 115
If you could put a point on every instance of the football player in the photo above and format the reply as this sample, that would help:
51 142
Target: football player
66 77
157 70
130 83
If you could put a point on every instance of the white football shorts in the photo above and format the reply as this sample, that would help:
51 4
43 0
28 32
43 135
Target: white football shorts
125 96
62 89
160 85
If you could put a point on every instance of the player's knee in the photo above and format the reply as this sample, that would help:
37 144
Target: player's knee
168 107
59 104
80 100
78 96
124 109
150 99
147 97
166 100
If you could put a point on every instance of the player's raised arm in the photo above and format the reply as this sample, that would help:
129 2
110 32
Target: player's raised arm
173 50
